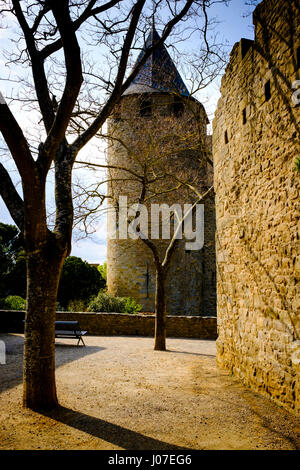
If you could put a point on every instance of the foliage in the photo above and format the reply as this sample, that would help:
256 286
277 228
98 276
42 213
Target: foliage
79 281
7 236
12 262
13 302
59 307
131 306
105 302
14 282
102 268
77 306
298 164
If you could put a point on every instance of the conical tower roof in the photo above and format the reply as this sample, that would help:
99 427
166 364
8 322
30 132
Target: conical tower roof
159 73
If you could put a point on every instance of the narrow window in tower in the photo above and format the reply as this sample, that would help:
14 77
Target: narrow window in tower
178 106
244 115
146 108
298 57
226 137
268 90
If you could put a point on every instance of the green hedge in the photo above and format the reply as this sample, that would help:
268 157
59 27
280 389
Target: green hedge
108 303
13 302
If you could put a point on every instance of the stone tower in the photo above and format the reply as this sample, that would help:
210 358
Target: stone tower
159 130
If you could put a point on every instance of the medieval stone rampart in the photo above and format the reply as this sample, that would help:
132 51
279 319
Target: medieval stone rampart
255 144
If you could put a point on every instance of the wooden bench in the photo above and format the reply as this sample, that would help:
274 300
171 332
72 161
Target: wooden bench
69 329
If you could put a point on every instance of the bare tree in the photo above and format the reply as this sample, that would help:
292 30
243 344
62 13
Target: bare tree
53 38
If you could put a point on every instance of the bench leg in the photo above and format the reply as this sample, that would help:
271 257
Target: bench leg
80 339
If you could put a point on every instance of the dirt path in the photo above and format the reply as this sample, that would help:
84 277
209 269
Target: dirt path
117 393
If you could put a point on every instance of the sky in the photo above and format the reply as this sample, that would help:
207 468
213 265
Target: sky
235 22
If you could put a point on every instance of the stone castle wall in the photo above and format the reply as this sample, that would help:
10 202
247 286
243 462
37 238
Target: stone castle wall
255 143
191 281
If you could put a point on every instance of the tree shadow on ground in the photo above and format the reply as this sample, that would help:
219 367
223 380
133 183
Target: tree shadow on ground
191 353
11 373
109 432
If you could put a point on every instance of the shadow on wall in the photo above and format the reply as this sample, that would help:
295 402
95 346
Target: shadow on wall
257 270
255 267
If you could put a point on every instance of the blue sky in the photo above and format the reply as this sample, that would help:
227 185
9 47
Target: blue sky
234 23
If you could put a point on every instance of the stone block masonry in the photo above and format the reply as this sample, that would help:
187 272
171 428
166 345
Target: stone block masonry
255 145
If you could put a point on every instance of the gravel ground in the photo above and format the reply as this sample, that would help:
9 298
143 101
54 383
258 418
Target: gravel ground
118 393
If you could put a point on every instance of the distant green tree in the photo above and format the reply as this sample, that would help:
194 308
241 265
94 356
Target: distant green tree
12 262
7 234
79 281
102 268
14 282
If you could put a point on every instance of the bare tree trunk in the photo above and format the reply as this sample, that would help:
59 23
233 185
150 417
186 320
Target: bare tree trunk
160 311
43 273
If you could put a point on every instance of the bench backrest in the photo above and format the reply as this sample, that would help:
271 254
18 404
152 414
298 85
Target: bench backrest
67 325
